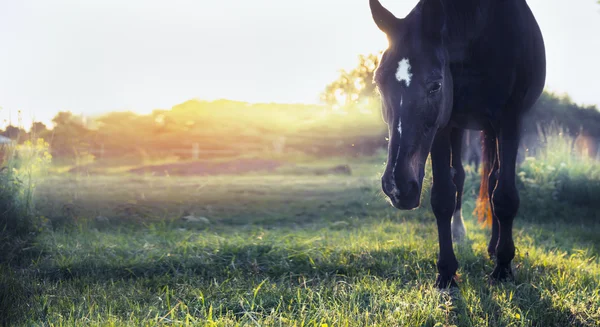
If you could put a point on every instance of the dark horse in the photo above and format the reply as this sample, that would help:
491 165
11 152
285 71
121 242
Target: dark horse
453 65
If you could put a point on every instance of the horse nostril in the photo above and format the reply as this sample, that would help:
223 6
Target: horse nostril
410 188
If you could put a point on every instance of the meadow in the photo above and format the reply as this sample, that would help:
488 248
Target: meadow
294 248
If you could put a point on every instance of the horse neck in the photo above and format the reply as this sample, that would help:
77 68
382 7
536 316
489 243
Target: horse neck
465 19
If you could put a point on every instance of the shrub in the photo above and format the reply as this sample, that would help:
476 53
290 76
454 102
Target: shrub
558 178
23 165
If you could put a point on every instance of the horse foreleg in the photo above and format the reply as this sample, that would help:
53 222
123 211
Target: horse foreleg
443 203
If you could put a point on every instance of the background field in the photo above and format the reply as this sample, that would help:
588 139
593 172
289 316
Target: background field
293 247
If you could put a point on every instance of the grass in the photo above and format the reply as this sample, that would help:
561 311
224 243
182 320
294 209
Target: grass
559 173
283 250
20 168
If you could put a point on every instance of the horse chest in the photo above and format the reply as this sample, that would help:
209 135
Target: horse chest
474 102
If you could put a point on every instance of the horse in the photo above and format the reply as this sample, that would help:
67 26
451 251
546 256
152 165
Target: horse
451 66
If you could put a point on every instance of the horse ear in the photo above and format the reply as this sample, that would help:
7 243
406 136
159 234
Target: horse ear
385 20
433 18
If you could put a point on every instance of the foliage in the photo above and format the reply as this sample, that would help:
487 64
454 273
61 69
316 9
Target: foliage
552 108
354 85
13 132
559 179
23 165
221 129
70 135
20 135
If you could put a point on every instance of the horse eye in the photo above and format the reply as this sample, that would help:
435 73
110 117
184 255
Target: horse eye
435 87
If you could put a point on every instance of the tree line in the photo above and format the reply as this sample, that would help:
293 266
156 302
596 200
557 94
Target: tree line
348 122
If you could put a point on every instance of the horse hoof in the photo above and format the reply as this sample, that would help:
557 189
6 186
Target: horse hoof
501 273
442 283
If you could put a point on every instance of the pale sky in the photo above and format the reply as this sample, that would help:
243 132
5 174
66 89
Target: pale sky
93 56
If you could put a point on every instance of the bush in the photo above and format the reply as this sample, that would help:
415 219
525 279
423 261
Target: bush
559 178
23 164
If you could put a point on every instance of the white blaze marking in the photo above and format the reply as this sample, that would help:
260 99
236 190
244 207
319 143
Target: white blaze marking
395 192
403 72
399 119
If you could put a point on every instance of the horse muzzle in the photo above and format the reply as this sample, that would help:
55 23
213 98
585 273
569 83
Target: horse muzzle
403 194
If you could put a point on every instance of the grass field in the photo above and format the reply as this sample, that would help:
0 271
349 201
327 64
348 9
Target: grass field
285 250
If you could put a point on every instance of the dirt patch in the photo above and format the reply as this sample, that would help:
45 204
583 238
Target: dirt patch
203 168
233 167
337 170
318 171
85 170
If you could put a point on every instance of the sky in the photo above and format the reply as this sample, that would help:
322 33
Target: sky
94 56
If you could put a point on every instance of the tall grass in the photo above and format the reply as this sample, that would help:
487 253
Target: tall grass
22 166
560 178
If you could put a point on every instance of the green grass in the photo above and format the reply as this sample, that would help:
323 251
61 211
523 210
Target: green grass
20 168
284 250
558 172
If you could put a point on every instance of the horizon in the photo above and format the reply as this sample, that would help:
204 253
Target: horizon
141 56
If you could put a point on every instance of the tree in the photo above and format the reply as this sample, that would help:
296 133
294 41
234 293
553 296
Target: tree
353 85
37 129
69 135
14 133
